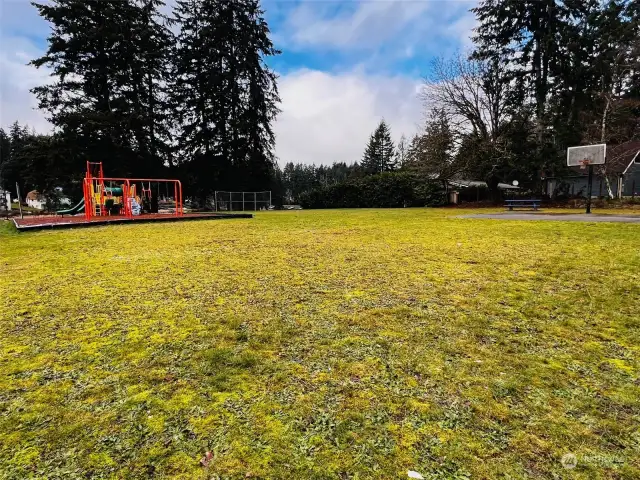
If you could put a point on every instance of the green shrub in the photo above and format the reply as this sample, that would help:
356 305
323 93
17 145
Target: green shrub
385 190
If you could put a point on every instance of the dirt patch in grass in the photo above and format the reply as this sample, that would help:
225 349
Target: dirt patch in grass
322 344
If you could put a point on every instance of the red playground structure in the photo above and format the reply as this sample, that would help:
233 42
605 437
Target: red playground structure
126 197
112 200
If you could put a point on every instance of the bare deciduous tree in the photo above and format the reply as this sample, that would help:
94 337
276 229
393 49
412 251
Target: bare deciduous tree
475 96
473 93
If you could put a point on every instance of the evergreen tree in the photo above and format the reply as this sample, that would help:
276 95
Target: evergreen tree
414 152
632 12
298 179
526 35
431 154
226 94
379 154
260 91
33 161
572 61
198 67
13 166
5 157
149 76
107 58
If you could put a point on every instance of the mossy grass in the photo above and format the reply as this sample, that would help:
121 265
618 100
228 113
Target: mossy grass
322 344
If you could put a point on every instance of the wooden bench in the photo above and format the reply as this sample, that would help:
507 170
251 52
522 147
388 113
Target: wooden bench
511 204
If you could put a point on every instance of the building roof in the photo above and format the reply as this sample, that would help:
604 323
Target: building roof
634 160
34 195
480 184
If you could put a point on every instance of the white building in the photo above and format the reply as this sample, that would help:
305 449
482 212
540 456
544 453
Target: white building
36 200
5 200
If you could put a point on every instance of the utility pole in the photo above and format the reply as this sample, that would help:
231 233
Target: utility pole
19 201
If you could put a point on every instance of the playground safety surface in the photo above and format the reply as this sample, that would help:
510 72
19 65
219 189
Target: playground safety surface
57 221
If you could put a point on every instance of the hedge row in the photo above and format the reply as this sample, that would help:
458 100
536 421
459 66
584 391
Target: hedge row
391 189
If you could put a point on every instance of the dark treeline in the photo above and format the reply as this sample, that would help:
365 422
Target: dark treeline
380 156
378 190
297 179
28 158
185 94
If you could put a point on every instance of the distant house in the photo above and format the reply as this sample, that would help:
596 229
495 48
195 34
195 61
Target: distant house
35 199
38 201
5 200
622 170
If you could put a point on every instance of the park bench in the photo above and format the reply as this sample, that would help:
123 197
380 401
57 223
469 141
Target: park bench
511 204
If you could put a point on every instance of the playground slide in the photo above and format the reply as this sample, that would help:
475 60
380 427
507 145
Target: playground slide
79 208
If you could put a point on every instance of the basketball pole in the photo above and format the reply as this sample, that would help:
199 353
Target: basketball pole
589 187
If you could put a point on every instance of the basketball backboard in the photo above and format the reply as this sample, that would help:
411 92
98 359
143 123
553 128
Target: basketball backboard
587 155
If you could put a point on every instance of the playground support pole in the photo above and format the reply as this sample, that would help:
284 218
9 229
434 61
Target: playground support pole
230 204
255 201
243 201
84 195
215 200
175 197
126 199
269 199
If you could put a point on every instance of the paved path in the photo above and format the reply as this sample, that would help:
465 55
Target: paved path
562 217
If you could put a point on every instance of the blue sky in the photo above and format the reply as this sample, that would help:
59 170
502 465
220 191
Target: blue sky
345 65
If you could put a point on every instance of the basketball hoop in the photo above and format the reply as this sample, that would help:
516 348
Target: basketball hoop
587 156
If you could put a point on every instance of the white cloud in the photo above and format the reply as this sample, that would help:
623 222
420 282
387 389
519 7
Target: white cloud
16 80
463 30
374 24
329 117
371 22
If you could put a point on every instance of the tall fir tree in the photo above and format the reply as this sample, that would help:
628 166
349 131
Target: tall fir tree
379 154
262 95
5 157
107 59
149 75
227 96
431 154
198 67
526 35
13 167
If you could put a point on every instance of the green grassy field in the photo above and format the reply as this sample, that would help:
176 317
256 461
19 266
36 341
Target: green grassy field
322 344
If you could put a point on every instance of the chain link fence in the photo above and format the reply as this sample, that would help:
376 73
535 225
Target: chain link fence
242 201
